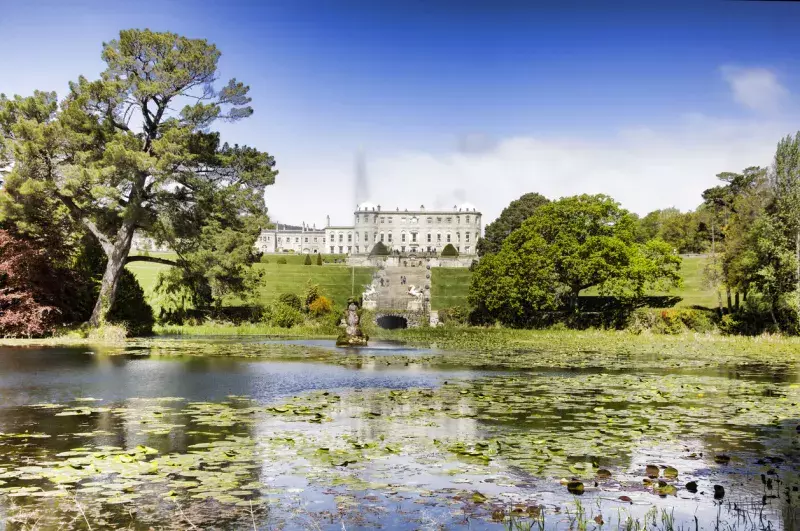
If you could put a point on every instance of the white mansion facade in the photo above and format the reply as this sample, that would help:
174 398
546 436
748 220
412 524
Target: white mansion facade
401 231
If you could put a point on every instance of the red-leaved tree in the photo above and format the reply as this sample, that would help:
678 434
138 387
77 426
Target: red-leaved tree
29 289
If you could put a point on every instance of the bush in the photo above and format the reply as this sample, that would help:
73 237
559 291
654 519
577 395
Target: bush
130 307
312 292
319 259
291 300
449 251
671 321
379 250
307 261
320 306
281 260
265 260
457 315
283 315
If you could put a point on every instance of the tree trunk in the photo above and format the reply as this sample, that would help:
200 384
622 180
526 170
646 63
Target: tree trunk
728 294
116 263
736 301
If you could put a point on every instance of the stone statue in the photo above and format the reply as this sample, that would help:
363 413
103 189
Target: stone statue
353 335
415 292
370 293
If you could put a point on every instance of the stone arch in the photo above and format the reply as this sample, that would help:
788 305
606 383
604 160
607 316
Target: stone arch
392 322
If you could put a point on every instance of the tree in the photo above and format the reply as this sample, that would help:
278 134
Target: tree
119 155
379 250
319 259
307 260
786 207
511 218
573 244
449 251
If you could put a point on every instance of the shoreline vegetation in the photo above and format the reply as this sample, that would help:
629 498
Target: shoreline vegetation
502 343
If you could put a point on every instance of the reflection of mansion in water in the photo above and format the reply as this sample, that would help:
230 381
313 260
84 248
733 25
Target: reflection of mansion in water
401 231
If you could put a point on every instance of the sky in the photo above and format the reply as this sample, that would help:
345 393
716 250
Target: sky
464 101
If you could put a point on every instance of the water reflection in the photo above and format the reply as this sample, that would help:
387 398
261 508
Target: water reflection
188 441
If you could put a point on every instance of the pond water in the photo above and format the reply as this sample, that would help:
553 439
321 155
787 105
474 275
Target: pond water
257 433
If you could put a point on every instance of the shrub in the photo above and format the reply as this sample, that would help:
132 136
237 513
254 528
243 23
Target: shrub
671 321
265 260
291 300
307 261
283 315
281 260
457 315
312 292
320 306
379 250
130 307
449 251
319 259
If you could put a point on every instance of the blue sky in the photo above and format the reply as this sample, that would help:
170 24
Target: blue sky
465 101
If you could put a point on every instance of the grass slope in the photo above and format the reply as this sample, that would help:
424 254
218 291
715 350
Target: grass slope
292 277
449 286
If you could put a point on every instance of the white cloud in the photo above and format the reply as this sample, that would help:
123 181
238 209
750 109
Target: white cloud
755 88
643 168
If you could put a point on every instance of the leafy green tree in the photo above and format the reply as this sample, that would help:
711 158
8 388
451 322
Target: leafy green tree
449 250
511 218
379 250
786 207
133 151
573 244
319 259
307 261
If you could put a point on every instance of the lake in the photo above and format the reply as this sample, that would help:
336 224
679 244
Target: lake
228 433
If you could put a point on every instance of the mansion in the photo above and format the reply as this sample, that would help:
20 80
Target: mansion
401 231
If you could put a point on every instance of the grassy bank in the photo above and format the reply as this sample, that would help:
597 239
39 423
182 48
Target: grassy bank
309 331
336 280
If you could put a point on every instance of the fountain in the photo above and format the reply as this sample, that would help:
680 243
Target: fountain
353 335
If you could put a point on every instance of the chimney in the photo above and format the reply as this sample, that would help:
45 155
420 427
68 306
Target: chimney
328 219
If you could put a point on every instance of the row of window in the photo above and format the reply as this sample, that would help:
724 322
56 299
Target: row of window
429 249
429 219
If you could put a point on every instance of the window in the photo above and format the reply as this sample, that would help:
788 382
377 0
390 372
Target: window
357 249
429 238
332 251
438 220
439 238
341 250
403 249
297 240
357 216
381 236
390 237
467 220
341 237
383 219
466 249
279 239
477 236
375 220
306 239
375 237
458 219
403 237
349 249
403 219
413 236
315 239
349 237
466 236
366 237
449 220
430 220
414 220
390 219
448 237
458 237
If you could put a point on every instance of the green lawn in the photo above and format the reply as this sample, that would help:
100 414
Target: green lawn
334 279
449 286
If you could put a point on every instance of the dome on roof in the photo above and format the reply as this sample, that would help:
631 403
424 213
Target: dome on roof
468 207
367 206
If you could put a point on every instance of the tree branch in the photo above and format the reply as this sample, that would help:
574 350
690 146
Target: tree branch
154 259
